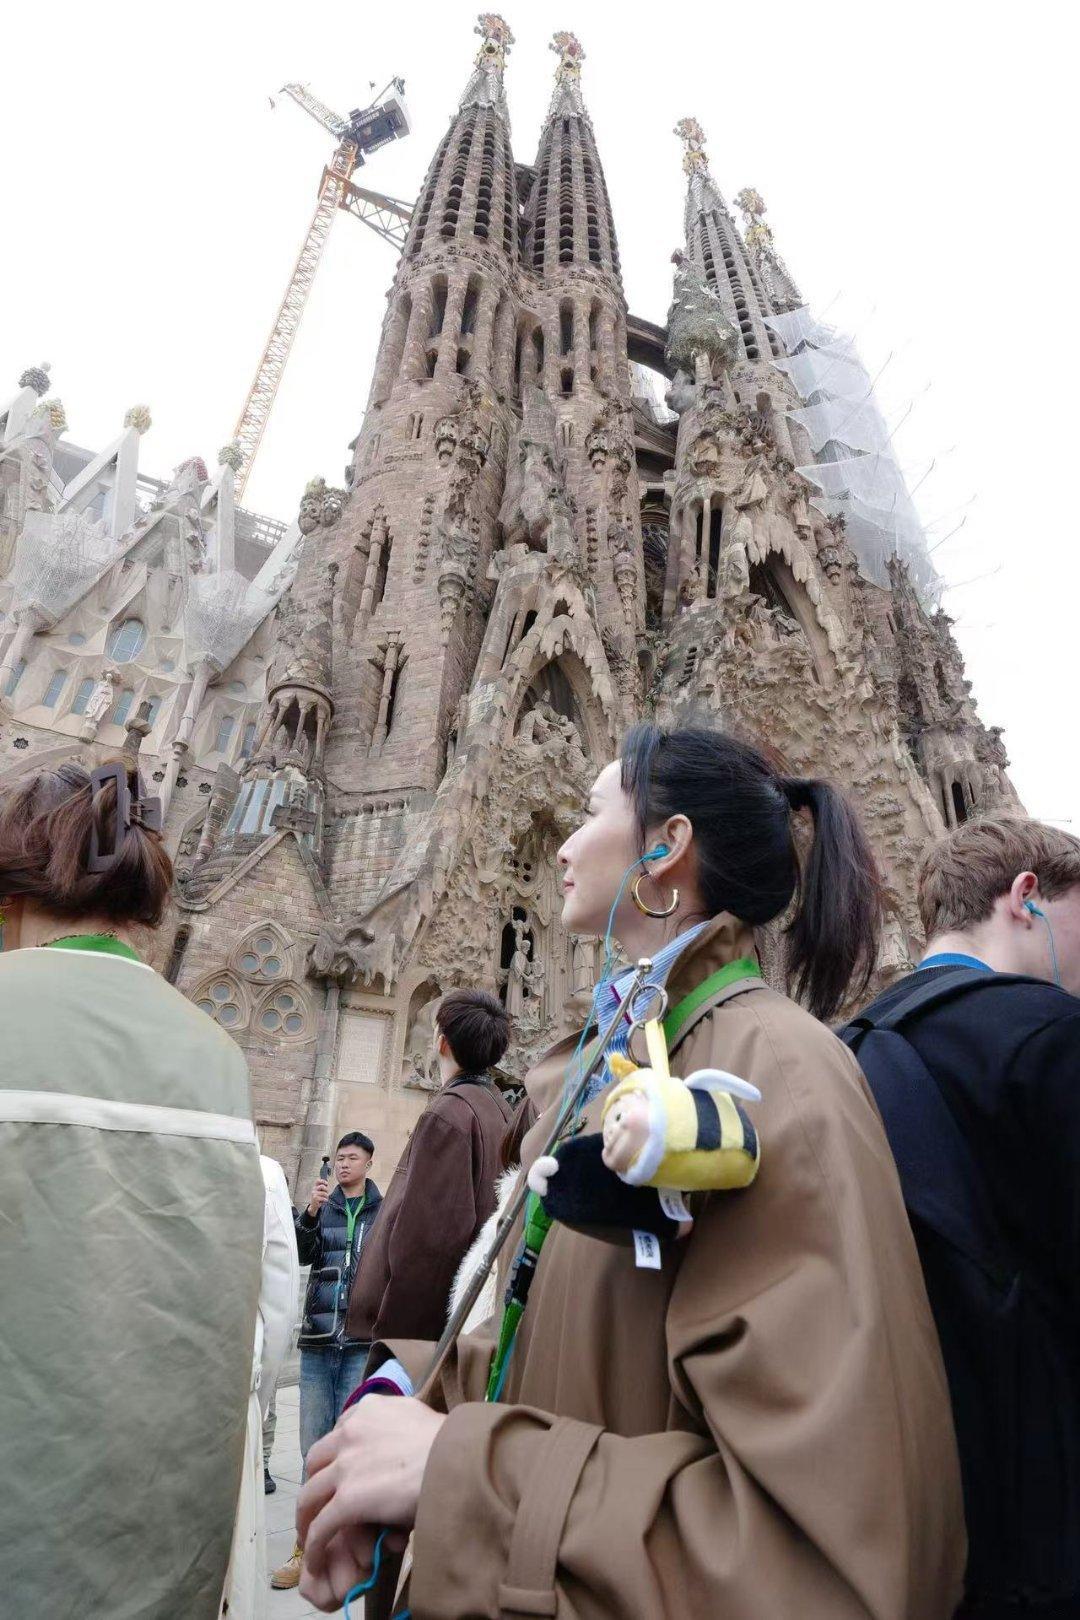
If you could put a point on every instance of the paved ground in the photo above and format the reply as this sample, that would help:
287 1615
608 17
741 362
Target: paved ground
281 1507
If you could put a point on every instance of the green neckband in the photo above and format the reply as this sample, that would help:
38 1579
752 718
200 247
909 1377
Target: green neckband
104 944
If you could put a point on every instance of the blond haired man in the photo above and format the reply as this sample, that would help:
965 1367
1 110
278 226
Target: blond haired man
974 1060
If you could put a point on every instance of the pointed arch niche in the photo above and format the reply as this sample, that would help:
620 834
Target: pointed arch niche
563 686
773 580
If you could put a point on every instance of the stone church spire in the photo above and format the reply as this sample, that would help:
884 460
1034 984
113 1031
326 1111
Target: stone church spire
462 242
469 192
715 248
569 218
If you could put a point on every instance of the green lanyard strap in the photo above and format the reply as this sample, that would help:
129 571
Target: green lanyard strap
538 1222
105 944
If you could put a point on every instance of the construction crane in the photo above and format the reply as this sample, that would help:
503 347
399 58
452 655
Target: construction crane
363 132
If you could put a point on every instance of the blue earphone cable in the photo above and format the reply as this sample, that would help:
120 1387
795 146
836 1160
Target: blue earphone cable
365 1586
1036 911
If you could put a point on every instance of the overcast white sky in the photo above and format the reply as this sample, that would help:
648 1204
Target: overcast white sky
918 162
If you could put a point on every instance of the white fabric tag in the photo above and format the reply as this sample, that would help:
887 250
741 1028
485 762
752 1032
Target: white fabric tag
646 1251
671 1202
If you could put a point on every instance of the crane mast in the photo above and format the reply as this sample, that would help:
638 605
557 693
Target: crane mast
387 216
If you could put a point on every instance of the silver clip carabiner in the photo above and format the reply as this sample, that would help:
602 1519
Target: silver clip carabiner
638 1020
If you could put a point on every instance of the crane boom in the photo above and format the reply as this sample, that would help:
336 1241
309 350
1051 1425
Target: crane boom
367 130
256 412
387 216
318 109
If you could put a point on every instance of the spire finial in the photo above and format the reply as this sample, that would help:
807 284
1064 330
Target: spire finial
567 48
485 86
497 40
692 136
37 378
761 245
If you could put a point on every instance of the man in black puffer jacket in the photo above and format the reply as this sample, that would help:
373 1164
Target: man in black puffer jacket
330 1234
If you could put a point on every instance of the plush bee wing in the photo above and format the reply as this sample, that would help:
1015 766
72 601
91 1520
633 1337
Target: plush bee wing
721 1080
621 1066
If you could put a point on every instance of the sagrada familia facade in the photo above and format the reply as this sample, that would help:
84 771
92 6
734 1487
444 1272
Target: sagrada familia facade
372 728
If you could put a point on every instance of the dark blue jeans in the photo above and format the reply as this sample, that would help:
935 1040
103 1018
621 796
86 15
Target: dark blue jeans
327 1379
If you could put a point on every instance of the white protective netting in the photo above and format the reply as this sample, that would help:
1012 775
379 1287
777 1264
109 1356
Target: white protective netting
858 476
59 556
222 613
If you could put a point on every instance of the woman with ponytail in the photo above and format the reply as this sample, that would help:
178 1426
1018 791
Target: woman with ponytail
131 1224
757 1422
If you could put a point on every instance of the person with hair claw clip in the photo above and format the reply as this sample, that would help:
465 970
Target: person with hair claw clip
131 1224
750 1419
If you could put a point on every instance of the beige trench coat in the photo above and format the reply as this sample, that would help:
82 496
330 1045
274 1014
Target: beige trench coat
759 1429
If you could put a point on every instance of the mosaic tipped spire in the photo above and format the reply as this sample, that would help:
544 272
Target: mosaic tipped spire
568 159
485 87
566 97
716 258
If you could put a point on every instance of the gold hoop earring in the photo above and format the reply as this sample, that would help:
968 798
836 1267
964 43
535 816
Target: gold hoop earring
648 911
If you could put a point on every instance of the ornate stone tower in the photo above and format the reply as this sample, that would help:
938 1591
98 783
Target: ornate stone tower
529 554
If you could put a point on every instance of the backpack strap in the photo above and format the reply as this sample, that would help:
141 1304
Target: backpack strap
943 1186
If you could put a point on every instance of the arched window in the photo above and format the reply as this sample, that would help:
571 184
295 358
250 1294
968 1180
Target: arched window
123 707
155 707
224 733
82 697
127 640
17 674
249 740
181 940
57 682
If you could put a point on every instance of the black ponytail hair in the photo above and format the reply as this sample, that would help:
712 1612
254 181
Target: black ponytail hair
740 809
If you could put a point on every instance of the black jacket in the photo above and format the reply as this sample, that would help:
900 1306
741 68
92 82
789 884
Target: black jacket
320 1243
997 1224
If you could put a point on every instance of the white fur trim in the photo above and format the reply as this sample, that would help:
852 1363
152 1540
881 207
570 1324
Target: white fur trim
648 1160
473 1260
721 1080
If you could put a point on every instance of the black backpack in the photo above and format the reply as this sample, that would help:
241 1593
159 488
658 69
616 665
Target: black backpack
1010 1362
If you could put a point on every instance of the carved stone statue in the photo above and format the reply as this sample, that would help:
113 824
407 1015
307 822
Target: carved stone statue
100 702
535 502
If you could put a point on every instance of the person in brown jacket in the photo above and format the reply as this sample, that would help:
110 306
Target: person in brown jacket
443 1190
759 1428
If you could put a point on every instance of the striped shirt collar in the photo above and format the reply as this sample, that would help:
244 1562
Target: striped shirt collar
611 992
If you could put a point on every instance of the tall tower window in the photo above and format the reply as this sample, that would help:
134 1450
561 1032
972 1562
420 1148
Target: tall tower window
57 682
438 305
82 696
469 307
716 519
566 328
123 706
224 733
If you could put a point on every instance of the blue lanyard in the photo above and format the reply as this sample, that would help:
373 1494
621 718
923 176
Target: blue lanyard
953 959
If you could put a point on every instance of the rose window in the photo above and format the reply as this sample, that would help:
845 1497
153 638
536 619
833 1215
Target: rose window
283 1014
263 956
220 1002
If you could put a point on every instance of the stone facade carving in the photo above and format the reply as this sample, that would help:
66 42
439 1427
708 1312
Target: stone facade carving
521 563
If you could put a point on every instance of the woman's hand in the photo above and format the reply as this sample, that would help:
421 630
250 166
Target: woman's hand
363 1475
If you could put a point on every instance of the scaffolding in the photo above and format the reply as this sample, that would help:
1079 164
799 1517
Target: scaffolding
855 470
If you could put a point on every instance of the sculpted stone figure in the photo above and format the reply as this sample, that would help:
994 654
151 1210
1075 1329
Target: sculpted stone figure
534 503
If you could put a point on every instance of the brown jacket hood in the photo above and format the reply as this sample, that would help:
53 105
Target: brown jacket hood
760 1428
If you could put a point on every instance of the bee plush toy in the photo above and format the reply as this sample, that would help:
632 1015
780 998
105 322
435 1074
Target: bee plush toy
661 1137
